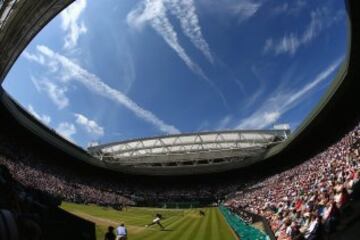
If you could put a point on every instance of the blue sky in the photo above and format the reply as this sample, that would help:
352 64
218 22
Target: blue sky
109 70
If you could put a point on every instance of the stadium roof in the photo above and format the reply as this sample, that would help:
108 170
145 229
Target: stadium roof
20 21
189 153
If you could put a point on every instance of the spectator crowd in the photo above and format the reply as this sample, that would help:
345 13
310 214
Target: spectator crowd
23 211
303 201
58 183
67 184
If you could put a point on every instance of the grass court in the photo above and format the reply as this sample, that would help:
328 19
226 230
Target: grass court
179 224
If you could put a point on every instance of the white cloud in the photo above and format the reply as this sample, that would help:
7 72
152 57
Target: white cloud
282 101
128 71
314 28
240 10
33 57
260 119
223 124
204 126
288 44
245 9
39 58
43 118
268 44
90 125
291 42
92 144
289 8
70 23
66 130
282 8
154 13
283 126
56 93
185 11
73 72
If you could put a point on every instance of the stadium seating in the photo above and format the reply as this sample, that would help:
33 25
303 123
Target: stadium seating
308 199
26 212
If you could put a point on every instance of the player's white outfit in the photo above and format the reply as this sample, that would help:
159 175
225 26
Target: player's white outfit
121 233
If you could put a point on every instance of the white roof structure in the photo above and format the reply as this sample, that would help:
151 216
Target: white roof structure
188 153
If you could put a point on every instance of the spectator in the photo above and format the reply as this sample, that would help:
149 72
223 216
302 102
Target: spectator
110 234
121 232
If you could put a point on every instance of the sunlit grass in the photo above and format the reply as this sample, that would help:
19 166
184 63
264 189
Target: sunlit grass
179 224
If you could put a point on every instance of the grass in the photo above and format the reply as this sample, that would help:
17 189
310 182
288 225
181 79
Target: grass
179 224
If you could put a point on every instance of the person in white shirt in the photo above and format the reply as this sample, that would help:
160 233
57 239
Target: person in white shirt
121 232
312 231
156 220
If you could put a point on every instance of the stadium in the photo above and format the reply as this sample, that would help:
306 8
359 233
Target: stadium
206 184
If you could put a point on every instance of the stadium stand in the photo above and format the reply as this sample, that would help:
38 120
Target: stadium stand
311 187
27 213
308 190
308 194
307 199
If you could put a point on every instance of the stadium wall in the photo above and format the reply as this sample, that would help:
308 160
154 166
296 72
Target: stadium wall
243 230
258 218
